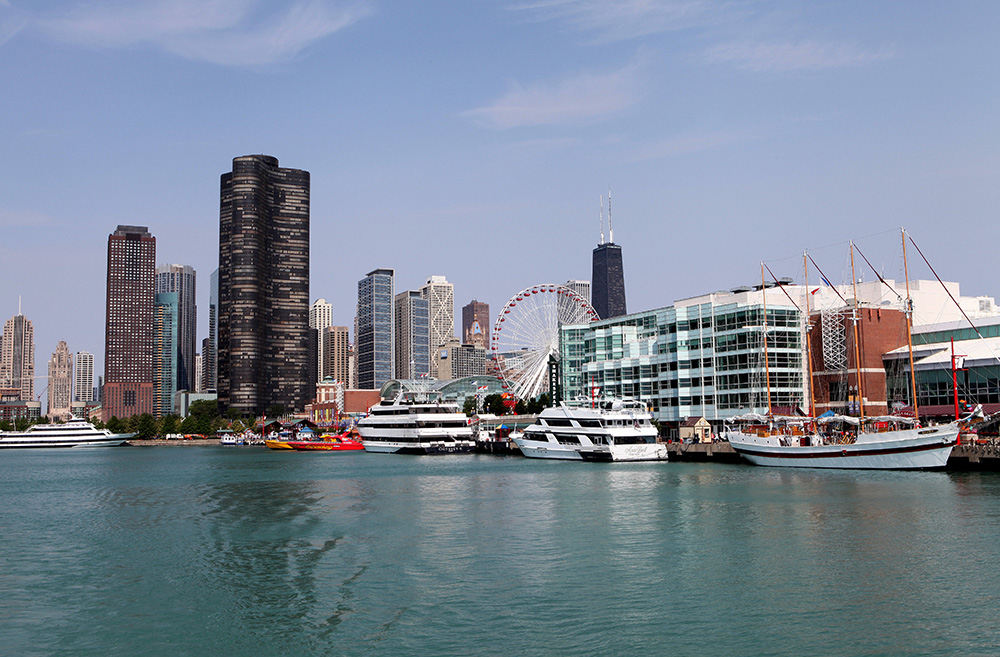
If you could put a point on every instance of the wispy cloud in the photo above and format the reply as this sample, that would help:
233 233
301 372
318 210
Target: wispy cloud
226 32
23 219
615 20
690 143
801 56
583 99
12 21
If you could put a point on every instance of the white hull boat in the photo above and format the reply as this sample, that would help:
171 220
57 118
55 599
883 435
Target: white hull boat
75 433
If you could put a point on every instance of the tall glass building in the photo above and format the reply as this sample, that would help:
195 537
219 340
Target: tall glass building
182 280
374 340
166 362
702 357
413 338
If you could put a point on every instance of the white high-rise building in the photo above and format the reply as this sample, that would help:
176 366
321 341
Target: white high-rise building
440 295
17 356
84 378
582 288
320 319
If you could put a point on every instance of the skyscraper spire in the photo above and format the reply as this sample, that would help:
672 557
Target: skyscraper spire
611 231
602 219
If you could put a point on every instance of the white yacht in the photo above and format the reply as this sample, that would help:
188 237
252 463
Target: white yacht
75 433
417 422
593 430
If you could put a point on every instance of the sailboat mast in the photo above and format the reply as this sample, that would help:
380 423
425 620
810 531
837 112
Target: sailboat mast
809 364
767 367
909 329
857 345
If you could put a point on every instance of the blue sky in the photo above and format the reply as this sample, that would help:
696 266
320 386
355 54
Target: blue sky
474 138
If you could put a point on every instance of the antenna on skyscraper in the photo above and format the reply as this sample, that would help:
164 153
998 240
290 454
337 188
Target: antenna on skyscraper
602 218
19 296
611 231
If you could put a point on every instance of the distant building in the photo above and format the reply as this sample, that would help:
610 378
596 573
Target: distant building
468 360
608 291
17 357
13 408
166 331
374 342
476 323
184 398
128 337
337 354
210 345
440 295
442 359
263 348
320 319
199 370
412 331
60 382
84 377
182 280
581 288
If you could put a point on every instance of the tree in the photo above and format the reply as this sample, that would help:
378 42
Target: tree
169 425
145 426
22 423
494 404
6 425
115 425
520 408
469 407
190 424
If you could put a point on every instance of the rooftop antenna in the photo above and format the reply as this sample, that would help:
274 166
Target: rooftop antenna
602 218
611 231
19 304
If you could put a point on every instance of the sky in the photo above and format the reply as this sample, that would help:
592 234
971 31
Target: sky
475 138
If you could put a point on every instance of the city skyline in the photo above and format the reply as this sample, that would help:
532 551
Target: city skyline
718 129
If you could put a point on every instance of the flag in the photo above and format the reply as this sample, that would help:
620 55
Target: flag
814 291
482 388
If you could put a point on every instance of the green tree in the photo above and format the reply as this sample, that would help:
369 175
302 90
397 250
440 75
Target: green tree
22 423
469 407
190 424
145 426
169 425
6 425
115 425
520 408
494 404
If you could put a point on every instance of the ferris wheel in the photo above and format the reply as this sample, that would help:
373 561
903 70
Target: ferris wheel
526 333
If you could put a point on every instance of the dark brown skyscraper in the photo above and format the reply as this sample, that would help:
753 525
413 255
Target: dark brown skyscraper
263 350
128 336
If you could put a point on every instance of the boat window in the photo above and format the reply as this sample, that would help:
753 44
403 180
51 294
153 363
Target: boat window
558 422
590 424
537 435
567 439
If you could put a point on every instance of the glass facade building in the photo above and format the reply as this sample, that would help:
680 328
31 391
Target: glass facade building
166 333
702 357
374 340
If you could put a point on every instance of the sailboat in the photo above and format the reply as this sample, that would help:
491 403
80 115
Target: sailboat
886 442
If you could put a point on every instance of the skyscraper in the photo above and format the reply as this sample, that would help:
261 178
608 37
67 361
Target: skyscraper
336 350
373 334
84 377
320 319
440 295
17 357
608 291
210 345
476 323
182 280
412 335
60 381
581 288
128 335
263 348
166 331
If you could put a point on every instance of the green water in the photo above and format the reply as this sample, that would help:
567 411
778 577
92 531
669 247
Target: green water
239 551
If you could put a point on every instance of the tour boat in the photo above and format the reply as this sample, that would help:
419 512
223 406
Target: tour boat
417 422
593 430
75 433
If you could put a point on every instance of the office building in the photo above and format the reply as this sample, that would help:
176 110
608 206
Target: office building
608 279
17 359
320 319
210 345
128 337
412 330
181 279
60 382
263 347
476 323
440 295
166 331
337 352
468 360
374 340
581 288
83 384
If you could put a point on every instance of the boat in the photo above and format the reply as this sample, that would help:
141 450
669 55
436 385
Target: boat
889 442
593 430
839 441
306 441
76 432
417 422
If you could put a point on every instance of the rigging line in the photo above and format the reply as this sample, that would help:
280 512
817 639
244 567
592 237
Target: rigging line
827 280
783 288
960 309
877 275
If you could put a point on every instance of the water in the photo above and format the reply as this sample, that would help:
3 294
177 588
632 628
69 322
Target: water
215 551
